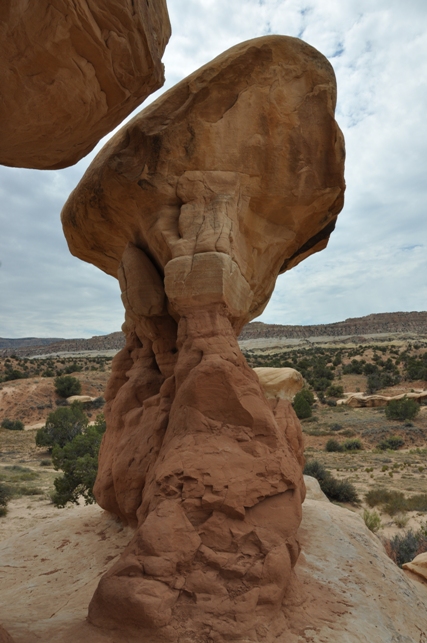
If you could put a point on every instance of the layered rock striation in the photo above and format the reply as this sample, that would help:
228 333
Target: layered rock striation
196 205
71 71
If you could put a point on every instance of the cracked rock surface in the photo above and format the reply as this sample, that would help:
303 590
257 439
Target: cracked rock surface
71 71
196 205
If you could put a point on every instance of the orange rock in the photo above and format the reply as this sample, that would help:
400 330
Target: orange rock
72 71
4 636
197 204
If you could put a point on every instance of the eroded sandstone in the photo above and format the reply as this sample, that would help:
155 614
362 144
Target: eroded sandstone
71 71
196 205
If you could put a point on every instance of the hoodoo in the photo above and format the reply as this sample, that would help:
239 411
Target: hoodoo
230 178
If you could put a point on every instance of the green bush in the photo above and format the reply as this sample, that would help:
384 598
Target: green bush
338 490
333 446
66 385
404 409
394 442
79 461
372 520
395 504
335 390
302 404
62 426
403 549
352 445
307 395
4 498
417 502
12 425
376 497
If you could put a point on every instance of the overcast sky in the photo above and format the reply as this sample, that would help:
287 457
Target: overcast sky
376 260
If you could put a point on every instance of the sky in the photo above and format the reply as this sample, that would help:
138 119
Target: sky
376 260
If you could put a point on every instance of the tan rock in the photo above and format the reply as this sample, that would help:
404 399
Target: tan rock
197 204
72 71
283 383
360 400
344 587
418 566
83 399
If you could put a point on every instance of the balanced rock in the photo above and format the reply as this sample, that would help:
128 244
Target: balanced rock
71 71
281 383
196 205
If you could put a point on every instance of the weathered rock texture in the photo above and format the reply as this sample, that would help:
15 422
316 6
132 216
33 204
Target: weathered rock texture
345 589
418 566
71 71
359 400
232 176
4 636
282 383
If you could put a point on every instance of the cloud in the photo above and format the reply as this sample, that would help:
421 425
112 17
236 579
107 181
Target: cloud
376 259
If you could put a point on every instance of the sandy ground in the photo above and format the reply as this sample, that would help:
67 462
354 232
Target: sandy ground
31 400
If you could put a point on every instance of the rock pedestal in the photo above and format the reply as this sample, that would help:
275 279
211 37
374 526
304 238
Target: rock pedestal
231 177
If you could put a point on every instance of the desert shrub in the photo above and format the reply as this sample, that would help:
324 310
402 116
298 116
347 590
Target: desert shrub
355 366
301 404
335 426
62 426
78 460
404 409
395 504
307 395
66 385
45 463
333 446
376 497
97 403
335 390
25 490
372 520
338 490
352 445
394 442
401 520
417 502
4 498
316 470
12 425
403 548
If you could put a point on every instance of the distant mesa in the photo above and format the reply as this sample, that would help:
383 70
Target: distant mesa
358 328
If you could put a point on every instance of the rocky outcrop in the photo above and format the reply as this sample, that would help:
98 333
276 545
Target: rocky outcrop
418 566
196 205
282 383
71 71
344 587
360 400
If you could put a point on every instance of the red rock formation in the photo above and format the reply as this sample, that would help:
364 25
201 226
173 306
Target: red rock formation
71 71
4 636
196 205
